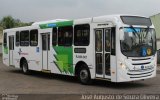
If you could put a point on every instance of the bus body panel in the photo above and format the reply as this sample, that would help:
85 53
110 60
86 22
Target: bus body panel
87 56
63 59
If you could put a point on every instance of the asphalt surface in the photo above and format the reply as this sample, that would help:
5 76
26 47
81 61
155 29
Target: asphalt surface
13 81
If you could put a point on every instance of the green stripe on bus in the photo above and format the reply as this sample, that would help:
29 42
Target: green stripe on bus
43 26
57 24
5 50
64 59
64 23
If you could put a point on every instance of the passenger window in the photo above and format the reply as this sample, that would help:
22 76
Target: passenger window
5 39
65 36
81 35
24 38
34 37
54 37
17 38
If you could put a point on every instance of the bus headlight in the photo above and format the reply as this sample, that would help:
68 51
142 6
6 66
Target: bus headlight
123 66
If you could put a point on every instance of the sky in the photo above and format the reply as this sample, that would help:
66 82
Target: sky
41 10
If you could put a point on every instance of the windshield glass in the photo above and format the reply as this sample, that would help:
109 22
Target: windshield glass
138 42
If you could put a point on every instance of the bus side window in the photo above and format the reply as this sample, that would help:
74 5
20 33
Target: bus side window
54 37
17 38
24 38
65 36
5 40
113 41
81 35
34 37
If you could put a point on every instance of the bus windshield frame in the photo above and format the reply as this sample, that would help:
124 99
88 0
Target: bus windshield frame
138 42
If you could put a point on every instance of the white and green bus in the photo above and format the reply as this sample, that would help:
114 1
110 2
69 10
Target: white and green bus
117 48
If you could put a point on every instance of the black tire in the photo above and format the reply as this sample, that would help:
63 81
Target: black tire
25 69
84 76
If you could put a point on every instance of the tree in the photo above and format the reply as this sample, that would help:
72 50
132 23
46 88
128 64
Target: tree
1 31
8 22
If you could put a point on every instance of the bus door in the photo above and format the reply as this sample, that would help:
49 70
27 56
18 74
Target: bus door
103 52
45 49
11 49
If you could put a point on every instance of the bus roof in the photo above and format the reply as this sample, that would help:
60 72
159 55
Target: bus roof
49 21
63 22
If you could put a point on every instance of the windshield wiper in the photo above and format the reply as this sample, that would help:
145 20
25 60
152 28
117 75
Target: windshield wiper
135 32
147 30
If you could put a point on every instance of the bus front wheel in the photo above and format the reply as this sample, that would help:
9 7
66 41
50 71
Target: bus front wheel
84 76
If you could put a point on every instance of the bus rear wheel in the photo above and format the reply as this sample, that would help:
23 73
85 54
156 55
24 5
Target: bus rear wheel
84 76
25 67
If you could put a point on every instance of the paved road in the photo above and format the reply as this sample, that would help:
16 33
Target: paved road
12 81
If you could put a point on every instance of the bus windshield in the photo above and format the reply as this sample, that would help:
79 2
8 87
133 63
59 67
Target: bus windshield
138 42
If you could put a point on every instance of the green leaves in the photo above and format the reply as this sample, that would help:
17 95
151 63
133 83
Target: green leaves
8 22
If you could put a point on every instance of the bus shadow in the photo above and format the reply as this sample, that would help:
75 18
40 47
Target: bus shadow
122 85
42 75
97 83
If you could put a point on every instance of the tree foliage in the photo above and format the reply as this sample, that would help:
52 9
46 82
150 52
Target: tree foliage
1 31
8 22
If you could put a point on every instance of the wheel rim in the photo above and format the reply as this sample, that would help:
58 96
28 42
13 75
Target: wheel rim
25 68
84 74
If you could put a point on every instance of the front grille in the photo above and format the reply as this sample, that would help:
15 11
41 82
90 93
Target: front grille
140 67
140 59
140 76
141 73
141 70
141 63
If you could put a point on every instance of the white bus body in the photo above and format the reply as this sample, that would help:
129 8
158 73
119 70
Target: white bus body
90 48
